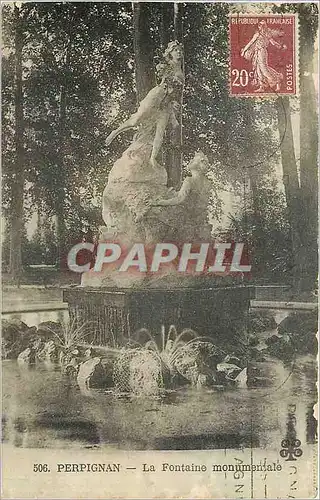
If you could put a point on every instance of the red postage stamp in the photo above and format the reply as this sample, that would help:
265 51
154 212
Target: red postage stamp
263 54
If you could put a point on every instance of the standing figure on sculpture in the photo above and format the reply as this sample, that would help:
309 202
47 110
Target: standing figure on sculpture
158 108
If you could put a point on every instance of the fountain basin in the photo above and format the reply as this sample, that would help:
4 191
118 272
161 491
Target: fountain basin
114 315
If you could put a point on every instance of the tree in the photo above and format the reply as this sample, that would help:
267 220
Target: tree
143 50
264 226
308 16
13 118
78 81
77 69
171 28
176 136
146 15
291 182
302 190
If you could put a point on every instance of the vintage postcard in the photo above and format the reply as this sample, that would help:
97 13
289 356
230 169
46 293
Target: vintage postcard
159 250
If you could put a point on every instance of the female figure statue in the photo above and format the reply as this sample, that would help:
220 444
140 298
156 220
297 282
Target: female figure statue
193 197
158 107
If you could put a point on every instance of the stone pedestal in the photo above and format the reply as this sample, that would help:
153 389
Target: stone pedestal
112 316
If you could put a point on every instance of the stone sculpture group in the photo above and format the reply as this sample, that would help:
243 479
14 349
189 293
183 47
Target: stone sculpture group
136 200
137 205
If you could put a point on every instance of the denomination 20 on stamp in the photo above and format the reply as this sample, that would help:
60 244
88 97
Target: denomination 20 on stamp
263 54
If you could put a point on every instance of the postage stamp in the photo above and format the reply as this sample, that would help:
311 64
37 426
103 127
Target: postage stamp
263 54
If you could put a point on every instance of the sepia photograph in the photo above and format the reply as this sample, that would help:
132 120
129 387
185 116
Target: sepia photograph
159 249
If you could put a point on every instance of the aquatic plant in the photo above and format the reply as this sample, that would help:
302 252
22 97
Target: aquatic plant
71 335
138 371
172 345
144 367
175 357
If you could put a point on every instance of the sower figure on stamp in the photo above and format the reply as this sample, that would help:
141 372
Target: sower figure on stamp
256 51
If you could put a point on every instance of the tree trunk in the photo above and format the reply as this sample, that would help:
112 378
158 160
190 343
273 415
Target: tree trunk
291 182
166 34
257 247
171 21
143 50
175 170
178 21
61 191
309 182
60 195
167 27
253 174
172 17
308 151
17 186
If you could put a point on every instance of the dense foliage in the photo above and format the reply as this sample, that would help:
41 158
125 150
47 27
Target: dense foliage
264 225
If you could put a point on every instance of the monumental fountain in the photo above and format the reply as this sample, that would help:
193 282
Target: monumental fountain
138 207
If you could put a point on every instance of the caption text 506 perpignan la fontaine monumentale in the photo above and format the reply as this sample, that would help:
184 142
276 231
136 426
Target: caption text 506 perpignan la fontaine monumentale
238 466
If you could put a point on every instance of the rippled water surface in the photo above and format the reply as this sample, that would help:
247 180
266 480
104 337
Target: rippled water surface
43 408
